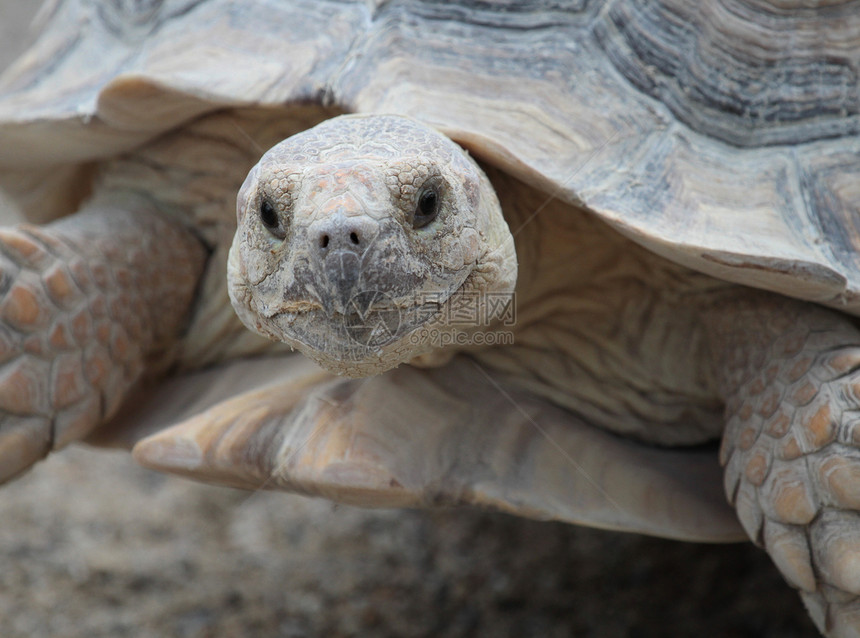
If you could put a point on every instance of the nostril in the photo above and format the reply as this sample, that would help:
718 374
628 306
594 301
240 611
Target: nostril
353 238
324 241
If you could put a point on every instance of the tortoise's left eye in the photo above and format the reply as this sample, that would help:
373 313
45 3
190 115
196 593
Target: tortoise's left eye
426 207
271 220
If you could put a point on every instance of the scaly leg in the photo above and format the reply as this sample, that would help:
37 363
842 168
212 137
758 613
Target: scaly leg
792 448
87 304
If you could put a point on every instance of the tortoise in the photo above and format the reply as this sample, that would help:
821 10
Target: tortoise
546 253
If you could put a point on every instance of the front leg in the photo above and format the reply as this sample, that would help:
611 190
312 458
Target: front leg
792 448
88 304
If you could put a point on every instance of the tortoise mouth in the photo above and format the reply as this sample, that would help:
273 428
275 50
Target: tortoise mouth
364 303
369 322
365 308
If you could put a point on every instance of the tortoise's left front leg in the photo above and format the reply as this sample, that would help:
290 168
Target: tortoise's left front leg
87 305
791 375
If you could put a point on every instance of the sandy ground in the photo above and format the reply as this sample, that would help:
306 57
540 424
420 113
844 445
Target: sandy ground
91 545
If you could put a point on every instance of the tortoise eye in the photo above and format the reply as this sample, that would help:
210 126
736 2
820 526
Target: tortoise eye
271 220
426 208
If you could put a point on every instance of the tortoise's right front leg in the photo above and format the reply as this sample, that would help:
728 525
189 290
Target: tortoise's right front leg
86 305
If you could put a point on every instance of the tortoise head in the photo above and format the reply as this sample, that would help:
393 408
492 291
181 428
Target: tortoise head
360 240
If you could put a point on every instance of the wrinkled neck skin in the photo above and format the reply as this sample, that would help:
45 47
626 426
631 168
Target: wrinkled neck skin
604 327
340 253
635 343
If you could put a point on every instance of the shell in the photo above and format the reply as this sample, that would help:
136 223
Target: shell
725 138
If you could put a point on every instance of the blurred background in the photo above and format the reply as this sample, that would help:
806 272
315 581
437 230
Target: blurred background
15 18
91 545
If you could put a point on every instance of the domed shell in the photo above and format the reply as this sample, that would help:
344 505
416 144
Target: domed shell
725 137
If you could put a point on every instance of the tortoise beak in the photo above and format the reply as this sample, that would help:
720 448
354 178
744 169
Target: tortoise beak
340 246
342 271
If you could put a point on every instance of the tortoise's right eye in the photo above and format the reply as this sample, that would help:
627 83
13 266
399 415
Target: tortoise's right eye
271 220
